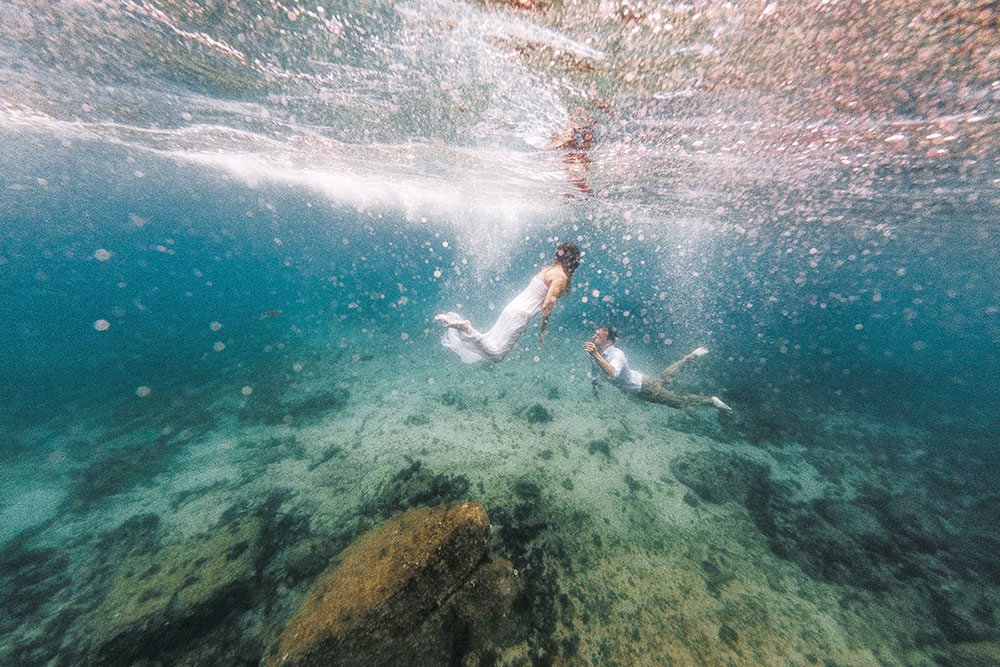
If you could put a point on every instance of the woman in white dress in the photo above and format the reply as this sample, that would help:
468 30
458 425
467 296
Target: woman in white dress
551 283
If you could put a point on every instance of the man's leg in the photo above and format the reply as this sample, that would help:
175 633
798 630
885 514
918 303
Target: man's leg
670 371
653 391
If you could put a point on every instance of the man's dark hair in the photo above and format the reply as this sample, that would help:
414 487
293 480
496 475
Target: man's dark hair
612 334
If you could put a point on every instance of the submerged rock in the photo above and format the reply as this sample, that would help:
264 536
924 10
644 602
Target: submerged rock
415 486
416 590
963 613
833 540
159 600
30 578
856 522
719 478
913 522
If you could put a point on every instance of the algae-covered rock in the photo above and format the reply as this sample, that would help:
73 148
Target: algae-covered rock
414 590
718 478
159 600
538 414
856 521
415 486
965 612
913 522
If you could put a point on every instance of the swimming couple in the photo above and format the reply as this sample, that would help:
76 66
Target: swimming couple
607 361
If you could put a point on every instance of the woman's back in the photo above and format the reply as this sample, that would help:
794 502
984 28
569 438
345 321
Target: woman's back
553 272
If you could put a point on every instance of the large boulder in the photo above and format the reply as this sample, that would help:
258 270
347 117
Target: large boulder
417 590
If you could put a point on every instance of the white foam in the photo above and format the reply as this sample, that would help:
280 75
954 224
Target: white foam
486 212
477 24
487 198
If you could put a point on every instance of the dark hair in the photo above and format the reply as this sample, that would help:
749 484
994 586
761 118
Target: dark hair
612 334
568 255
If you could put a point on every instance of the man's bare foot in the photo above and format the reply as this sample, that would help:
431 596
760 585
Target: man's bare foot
717 402
699 352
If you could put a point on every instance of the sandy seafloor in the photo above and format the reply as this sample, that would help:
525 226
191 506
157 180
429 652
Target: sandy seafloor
622 563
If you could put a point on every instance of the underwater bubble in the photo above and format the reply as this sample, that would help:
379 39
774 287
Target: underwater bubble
102 255
102 325
247 390
143 391
219 346
214 326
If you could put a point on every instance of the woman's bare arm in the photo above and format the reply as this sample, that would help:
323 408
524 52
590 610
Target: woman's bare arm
556 287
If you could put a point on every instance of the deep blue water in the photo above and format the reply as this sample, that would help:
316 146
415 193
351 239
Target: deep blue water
867 308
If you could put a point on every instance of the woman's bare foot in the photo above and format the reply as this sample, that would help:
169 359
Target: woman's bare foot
462 325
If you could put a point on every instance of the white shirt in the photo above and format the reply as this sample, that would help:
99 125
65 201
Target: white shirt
625 378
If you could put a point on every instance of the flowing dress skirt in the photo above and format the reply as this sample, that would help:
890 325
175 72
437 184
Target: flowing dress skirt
501 338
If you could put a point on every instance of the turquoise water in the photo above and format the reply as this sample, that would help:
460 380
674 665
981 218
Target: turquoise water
226 232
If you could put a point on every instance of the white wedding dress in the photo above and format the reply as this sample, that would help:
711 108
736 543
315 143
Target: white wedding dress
499 340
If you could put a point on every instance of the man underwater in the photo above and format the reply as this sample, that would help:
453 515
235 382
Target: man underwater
610 362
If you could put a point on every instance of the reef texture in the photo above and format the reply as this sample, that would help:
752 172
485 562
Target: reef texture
418 589
160 600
